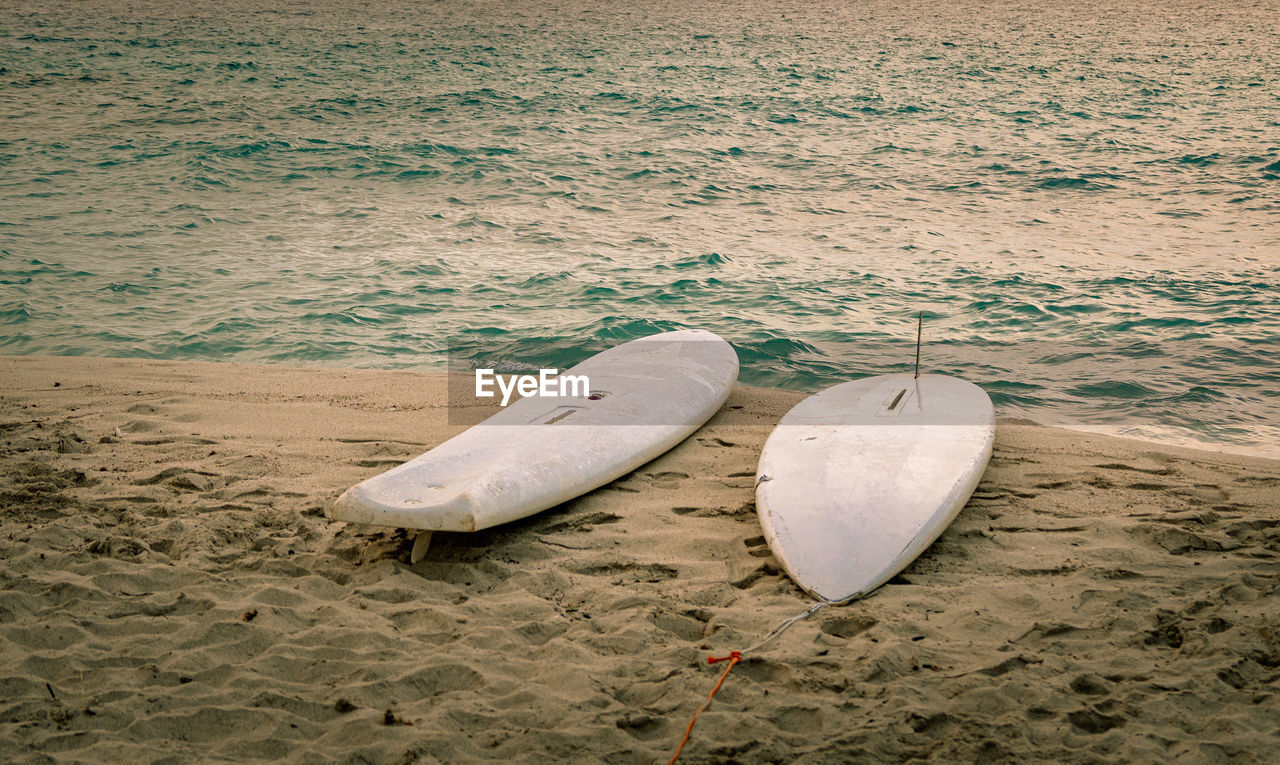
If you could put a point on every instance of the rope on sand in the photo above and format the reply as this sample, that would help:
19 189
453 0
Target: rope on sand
735 657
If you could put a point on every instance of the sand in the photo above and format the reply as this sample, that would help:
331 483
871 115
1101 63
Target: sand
171 591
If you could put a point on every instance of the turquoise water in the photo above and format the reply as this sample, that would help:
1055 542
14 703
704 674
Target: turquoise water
1082 199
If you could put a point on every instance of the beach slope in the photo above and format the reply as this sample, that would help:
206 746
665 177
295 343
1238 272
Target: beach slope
170 588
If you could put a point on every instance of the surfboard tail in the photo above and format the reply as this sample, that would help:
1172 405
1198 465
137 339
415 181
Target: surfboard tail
430 510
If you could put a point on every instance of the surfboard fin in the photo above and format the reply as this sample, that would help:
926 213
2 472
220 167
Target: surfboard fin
420 544
919 329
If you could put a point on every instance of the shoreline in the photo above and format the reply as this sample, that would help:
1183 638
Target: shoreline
1114 430
172 588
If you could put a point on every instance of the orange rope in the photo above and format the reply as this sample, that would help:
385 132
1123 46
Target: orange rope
733 658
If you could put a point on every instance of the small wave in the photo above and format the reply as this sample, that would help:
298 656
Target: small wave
1072 182
998 167
772 349
477 221
1153 322
437 268
1115 389
128 288
597 291
484 331
542 280
1199 160
11 316
1010 386
1197 394
424 172
618 329
1073 309
711 259
349 317
1007 394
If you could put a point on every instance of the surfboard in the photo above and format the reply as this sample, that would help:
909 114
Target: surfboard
645 397
858 480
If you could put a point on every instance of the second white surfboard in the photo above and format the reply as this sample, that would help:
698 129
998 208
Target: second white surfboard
856 481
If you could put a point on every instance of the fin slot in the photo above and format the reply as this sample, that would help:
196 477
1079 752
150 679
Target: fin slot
558 414
897 399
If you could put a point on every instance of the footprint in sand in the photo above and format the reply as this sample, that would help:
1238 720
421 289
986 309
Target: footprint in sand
165 440
625 572
1000 459
683 626
742 581
581 524
1093 721
378 463
714 512
715 442
1131 468
1258 480
259 493
848 626
804 720
988 493
181 479
765 671
1178 541
667 479
1090 685
1254 531
140 426
757 547
1200 494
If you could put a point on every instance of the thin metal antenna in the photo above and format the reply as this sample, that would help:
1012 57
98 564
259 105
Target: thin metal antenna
919 328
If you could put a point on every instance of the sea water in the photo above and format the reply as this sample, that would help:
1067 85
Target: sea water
1081 199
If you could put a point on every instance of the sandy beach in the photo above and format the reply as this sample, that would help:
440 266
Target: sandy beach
172 592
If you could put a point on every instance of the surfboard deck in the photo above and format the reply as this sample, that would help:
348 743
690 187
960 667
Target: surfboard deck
646 396
858 480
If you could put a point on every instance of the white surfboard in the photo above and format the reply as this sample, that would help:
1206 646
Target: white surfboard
856 481
645 397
